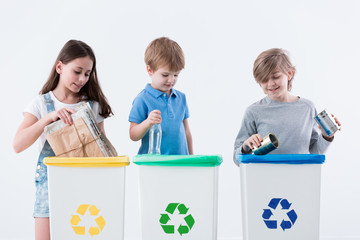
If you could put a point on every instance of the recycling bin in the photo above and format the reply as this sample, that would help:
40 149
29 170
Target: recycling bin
86 197
280 196
178 196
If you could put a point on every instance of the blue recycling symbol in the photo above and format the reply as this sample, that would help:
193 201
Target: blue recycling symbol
285 205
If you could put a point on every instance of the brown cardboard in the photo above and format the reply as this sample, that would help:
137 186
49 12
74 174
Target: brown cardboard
74 140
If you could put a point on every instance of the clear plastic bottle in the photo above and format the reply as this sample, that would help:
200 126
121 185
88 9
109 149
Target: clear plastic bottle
155 135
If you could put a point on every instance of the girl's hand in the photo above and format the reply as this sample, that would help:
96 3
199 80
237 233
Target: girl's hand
254 140
154 118
63 114
329 138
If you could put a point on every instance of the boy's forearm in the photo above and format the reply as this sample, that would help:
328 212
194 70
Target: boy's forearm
188 137
190 143
138 131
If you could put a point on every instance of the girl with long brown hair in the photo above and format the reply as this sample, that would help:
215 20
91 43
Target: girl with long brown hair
73 79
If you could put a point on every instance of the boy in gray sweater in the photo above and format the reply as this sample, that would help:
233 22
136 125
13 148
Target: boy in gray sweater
290 118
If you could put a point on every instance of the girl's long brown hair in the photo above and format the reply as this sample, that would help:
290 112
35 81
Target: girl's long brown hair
92 91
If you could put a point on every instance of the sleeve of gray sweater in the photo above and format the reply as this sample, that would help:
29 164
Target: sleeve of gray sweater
292 123
248 128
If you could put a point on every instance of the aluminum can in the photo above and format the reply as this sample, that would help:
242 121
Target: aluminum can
269 143
327 123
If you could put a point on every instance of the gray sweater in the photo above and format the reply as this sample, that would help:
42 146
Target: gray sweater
291 122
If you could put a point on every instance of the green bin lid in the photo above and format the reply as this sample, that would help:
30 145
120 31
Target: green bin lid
178 160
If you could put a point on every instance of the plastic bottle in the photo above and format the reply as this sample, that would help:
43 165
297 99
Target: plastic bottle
155 134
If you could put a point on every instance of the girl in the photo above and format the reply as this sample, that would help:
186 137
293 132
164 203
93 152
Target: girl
290 118
73 79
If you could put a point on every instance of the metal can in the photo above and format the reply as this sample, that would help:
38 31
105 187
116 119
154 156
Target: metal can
269 143
327 123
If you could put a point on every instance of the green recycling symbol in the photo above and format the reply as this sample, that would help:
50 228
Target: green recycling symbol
182 229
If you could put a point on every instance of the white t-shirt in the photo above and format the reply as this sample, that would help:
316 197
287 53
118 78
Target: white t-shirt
37 107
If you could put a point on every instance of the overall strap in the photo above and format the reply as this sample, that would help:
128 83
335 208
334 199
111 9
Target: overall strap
49 102
91 102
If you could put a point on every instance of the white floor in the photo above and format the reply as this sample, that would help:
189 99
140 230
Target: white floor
321 238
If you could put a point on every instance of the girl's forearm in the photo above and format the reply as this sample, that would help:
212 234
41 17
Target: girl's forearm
27 135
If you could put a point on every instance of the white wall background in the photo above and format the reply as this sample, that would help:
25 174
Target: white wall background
221 39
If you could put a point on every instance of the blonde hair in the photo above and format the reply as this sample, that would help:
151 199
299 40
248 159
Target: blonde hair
271 60
164 52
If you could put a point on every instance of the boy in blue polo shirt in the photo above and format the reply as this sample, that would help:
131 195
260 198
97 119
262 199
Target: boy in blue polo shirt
160 103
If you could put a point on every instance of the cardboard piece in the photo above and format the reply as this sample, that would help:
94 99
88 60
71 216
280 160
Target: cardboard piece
81 139
74 140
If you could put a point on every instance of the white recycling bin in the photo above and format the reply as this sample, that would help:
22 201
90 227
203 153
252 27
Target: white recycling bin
178 196
280 196
86 197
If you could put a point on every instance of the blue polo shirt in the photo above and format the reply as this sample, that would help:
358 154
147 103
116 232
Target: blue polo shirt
173 110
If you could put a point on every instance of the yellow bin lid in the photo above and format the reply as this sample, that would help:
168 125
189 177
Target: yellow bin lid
120 161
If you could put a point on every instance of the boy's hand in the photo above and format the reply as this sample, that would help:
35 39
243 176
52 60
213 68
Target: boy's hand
154 117
329 138
254 140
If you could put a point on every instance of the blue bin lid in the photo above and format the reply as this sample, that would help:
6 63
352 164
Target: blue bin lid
281 158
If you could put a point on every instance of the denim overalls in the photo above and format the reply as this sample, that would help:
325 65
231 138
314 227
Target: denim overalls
41 208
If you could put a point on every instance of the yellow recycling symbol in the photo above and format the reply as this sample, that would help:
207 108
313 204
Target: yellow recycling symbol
75 219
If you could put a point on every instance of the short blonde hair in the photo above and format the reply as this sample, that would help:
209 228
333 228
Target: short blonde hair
271 60
163 52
